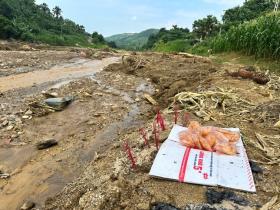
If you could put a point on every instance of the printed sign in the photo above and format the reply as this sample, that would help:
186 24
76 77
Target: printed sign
177 162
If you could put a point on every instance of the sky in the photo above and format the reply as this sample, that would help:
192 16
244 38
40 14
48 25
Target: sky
110 17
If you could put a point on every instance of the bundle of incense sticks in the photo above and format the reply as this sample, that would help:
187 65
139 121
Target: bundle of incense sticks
129 155
144 136
156 136
160 120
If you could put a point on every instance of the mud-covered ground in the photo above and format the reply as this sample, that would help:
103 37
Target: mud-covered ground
89 169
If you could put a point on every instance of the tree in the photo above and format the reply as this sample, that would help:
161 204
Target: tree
44 7
97 38
5 9
112 44
251 9
57 11
7 29
206 27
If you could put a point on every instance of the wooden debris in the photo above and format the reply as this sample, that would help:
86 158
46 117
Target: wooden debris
150 99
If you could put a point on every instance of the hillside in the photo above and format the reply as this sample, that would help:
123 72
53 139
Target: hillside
27 21
132 41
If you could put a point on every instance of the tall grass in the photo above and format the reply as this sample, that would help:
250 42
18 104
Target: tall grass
259 37
172 46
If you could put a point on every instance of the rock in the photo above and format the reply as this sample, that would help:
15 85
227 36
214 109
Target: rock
83 54
163 206
91 122
27 205
143 206
200 207
10 127
255 167
214 197
59 103
277 125
4 175
50 95
225 205
137 99
25 117
25 47
29 112
46 144
5 123
261 79
14 136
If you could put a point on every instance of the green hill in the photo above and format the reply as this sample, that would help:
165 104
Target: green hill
27 21
132 41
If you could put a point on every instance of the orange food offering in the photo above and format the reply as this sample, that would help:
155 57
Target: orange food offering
209 138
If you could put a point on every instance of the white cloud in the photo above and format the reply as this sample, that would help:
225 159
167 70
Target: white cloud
134 18
225 2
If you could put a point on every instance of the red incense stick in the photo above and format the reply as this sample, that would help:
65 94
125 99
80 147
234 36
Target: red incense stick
160 121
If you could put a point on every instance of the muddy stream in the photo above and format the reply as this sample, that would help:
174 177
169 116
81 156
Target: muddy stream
37 175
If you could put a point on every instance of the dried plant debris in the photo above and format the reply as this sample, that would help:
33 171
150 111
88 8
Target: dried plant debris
270 146
272 204
205 104
268 112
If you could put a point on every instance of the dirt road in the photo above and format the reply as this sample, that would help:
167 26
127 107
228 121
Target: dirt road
76 68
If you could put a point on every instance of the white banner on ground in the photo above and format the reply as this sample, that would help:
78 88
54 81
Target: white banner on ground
177 162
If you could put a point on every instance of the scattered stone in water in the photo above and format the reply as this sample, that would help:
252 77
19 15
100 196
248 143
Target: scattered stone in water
255 167
163 206
46 144
27 205
214 197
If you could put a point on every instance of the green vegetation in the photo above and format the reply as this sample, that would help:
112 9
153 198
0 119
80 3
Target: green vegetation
206 27
131 41
251 9
259 37
164 36
24 20
247 60
172 46
251 29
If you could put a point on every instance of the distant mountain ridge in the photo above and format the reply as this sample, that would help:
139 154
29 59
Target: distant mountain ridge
132 41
